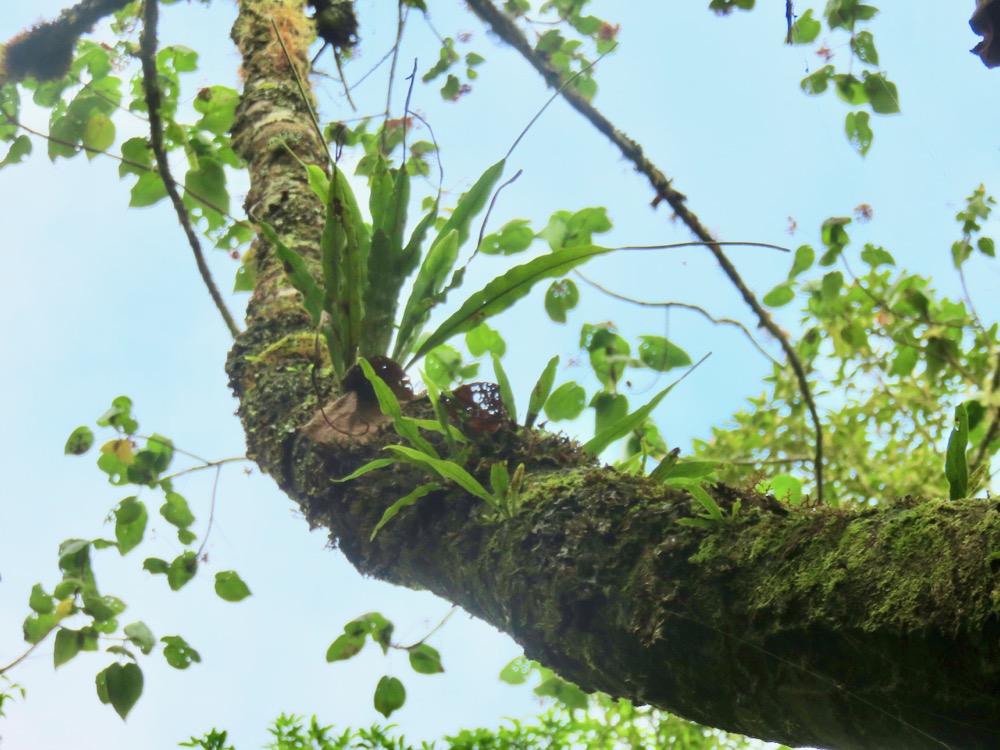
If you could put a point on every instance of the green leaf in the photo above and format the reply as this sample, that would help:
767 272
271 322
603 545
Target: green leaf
513 237
155 565
378 463
863 46
298 274
876 256
596 445
79 441
502 292
500 479
440 259
805 256
176 511
482 339
446 469
566 402
230 587
68 644
98 135
659 354
859 132
706 501
181 570
130 524
516 672
139 634
881 93
122 686
389 405
816 83
806 28
390 695
506 392
785 487
178 653
956 467
147 191
564 692
403 502
41 602
561 296
424 659
119 416
608 409
540 393
781 295
346 646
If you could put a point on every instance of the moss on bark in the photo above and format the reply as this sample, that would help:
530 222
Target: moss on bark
830 628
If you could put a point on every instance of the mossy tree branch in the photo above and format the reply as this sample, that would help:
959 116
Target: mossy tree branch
826 628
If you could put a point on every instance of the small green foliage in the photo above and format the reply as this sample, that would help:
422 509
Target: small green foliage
806 28
140 635
561 296
540 392
130 524
372 625
859 132
181 570
566 402
79 441
178 653
956 467
230 587
120 685
390 695
425 659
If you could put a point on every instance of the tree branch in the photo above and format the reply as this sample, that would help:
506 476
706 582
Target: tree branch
151 88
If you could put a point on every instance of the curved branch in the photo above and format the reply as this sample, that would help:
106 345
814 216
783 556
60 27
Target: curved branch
505 28
151 88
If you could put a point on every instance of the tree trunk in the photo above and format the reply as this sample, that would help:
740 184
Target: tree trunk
821 627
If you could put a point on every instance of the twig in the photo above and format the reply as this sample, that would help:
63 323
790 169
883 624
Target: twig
147 54
400 26
683 306
505 28
211 513
435 629
24 656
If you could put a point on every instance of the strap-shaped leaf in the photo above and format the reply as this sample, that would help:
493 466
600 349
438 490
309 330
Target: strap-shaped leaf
625 425
426 289
956 467
447 469
440 259
506 392
406 427
297 273
386 262
397 506
540 393
503 291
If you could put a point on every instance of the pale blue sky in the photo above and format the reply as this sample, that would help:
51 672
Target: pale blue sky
101 301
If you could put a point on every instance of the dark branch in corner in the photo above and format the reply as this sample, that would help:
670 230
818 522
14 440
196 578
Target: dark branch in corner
147 54
46 51
985 21
505 28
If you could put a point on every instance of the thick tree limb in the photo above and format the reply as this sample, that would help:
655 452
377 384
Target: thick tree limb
46 51
834 629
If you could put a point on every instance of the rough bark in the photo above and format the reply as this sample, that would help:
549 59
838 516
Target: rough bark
829 628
